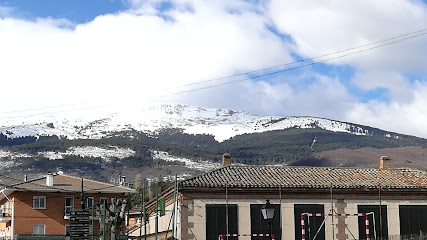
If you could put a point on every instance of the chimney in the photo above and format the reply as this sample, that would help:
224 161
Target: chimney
123 181
49 179
226 160
384 163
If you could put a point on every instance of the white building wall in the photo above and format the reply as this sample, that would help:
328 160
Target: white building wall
287 216
198 219
163 223
288 221
244 211
393 217
351 222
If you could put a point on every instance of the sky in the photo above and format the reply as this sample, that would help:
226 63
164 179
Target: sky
362 61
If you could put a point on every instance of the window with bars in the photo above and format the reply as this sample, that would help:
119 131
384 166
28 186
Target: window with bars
381 224
413 221
313 225
217 222
260 225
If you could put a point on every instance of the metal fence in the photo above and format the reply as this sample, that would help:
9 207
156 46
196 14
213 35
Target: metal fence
54 237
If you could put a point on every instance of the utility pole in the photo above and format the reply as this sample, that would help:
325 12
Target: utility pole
145 212
142 213
103 219
157 209
174 206
93 217
82 201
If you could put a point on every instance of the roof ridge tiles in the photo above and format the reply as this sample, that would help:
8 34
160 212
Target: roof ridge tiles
289 176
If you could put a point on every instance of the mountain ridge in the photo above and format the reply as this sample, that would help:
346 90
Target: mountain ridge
169 139
223 124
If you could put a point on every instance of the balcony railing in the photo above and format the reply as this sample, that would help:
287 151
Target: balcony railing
5 215
5 212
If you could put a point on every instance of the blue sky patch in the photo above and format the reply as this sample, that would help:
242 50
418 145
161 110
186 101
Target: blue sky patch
77 11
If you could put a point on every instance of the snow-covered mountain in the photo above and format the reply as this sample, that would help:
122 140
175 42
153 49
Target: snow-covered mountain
222 124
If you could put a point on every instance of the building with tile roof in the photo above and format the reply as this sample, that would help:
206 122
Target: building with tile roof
44 206
230 199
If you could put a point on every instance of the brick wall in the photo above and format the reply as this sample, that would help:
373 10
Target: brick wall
341 225
186 211
53 216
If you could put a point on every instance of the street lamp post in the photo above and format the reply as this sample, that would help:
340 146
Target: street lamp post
268 213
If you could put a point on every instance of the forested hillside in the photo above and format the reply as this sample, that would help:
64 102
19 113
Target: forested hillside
290 146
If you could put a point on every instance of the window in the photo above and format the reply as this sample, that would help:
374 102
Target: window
312 224
39 202
216 221
39 229
260 225
89 202
67 230
380 223
413 221
69 202
104 200
69 205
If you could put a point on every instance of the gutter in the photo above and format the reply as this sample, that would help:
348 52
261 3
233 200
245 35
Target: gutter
2 191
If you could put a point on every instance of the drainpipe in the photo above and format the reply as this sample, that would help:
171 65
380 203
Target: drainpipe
13 220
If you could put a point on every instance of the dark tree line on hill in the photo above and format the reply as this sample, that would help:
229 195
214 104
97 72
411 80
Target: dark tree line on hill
284 146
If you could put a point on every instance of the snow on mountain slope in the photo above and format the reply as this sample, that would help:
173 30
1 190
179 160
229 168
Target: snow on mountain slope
222 124
204 166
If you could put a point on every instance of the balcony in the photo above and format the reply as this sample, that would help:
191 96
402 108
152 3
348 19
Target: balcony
5 215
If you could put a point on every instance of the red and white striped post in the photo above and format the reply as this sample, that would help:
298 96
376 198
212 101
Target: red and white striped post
302 227
367 226
366 215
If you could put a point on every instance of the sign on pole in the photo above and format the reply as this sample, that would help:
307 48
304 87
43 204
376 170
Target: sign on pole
79 225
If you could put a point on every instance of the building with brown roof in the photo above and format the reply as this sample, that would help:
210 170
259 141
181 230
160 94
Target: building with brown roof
309 202
44 206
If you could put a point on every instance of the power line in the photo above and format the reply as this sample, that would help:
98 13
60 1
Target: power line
423 32
364 48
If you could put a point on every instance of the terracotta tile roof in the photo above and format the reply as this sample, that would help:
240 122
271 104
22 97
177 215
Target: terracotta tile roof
67 183
308 177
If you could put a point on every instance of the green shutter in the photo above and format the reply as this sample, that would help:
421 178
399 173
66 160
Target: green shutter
162 202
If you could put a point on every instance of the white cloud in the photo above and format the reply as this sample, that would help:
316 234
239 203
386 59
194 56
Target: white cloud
142 53
403 117
321 27
398 85
129 57
283 96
